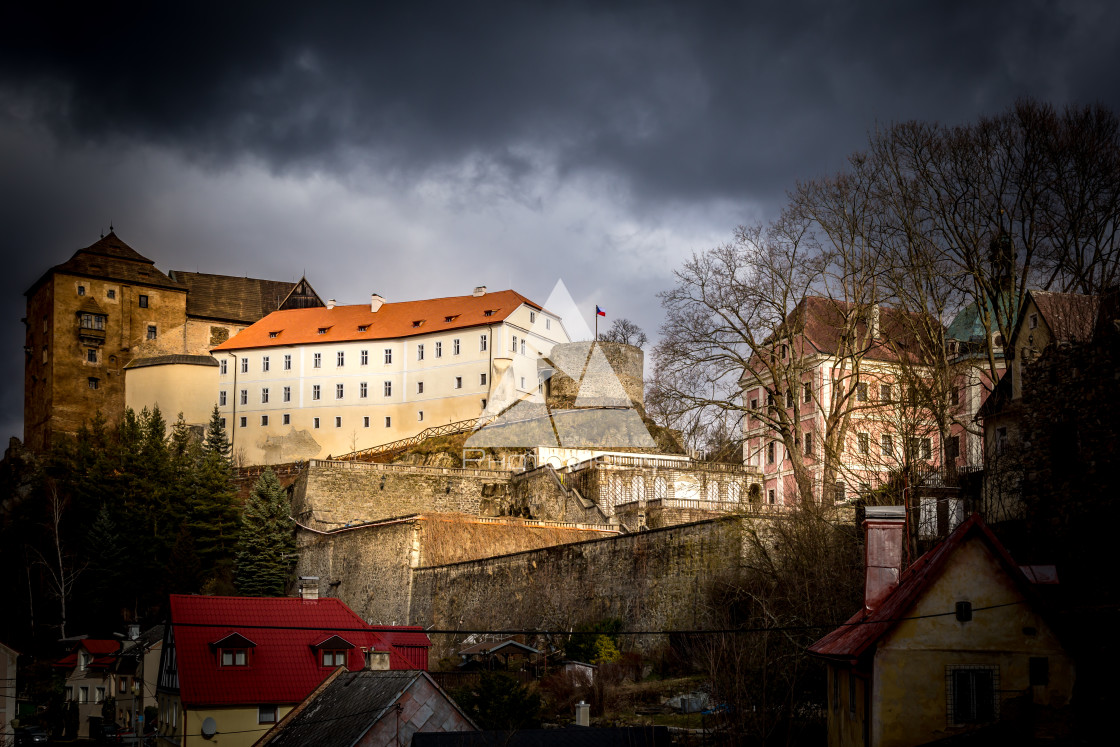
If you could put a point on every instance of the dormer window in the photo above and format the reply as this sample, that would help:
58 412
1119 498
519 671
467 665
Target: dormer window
273 334
333 651
233 650
418 323
489 312
323 330
363 327
451 318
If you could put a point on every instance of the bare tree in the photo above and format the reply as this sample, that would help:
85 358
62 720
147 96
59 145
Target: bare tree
625 332
62 570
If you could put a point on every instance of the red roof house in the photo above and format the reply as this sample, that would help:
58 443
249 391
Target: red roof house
235 660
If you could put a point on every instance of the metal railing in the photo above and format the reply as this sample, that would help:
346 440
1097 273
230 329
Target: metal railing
447 429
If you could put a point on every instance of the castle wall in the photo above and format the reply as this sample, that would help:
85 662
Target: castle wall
330 495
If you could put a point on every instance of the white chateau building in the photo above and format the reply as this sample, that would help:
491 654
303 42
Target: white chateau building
318 382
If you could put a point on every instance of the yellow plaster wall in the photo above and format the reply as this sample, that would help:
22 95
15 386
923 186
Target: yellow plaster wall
845 726
909 697
237 727
189 389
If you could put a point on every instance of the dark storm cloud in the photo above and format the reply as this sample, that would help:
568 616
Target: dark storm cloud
682 101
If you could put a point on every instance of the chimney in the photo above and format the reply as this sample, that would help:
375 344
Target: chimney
377 661
375 302
331 303
479 291
583 714
875 321
309 588
884 527
133 632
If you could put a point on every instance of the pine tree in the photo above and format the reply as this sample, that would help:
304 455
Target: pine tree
213 515
266 550
216 441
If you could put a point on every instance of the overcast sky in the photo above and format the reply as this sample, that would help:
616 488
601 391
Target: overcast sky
420 149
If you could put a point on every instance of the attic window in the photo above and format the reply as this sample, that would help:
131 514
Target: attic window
363 327
451 318
233 650
274 334
489 312
418 322
234 657
323 330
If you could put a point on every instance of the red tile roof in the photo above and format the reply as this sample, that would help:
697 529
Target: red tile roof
392 320
102 650
1071 317
282 667
856 637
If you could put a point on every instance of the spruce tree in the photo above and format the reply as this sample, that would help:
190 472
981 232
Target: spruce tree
216 441
266 549
213 520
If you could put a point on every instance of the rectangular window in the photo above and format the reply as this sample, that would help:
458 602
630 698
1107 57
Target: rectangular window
806 392
264 364
287 394
863 443
388 355
419 387
143 301
955 396
314 391
770 449
885 393
341 358
223 422
91 355
222 366
317 360
971 695
244 396
789 398
851 692
83 694
264 396
420 351
458 382
365 421
244 421
81 290
455 346
547 323
1032 321
234 657
111 294
315 422
523 346
365 357
287 419
420 415
770 496
388 422
861 392
338 391
388 389
886 444
151 331
244 365
334 658
532 317
952 448
266 714
808 443
439 349
522 382
287 362
222 398
482 379
484 404
363 390
482 343
337 422
264 420
513 344
99 694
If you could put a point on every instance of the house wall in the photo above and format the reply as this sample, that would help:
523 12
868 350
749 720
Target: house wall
174 388
237 727
848 693
8 689
423 709
909 699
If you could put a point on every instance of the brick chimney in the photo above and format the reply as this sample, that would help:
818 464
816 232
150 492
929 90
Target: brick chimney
479 291
377 661
375 302
309 588
884 528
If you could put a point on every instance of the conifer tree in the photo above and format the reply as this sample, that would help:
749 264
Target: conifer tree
266 549
216 441
214 521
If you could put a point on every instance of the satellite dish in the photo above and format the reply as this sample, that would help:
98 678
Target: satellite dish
209 728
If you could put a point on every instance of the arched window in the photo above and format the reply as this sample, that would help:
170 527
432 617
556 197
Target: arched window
660 489
637 488
754 493
713 491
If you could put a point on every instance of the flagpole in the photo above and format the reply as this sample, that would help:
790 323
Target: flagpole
596 323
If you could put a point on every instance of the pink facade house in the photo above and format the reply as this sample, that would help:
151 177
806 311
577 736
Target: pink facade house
836 377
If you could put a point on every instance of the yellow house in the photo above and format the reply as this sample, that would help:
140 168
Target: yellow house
957 642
